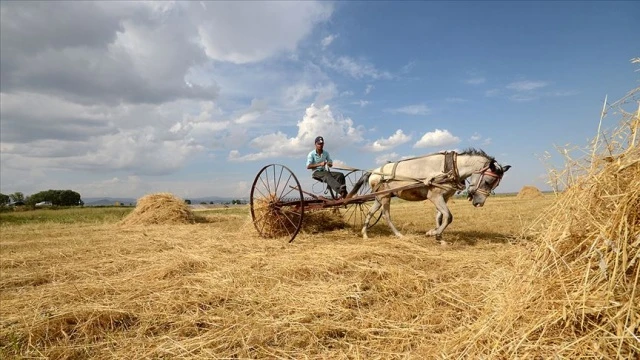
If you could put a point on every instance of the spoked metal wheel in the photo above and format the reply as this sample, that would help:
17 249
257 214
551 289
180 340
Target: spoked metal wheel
277 205
356 212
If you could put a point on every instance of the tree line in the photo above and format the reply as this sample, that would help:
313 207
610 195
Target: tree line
55 197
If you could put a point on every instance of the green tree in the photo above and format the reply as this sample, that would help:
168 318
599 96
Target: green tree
4 199
17 196
56 197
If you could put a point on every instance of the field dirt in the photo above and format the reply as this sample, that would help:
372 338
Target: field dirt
215 289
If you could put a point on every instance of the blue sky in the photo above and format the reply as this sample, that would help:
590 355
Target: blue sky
123 99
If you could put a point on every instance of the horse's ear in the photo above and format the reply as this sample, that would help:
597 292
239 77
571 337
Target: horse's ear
505 168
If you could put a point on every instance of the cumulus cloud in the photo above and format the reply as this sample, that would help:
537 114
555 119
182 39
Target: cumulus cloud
317 120
418 109
266 29
384 158
127 86
437 138
326 41
398 138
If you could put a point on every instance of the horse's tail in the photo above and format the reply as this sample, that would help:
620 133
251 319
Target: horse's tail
363 179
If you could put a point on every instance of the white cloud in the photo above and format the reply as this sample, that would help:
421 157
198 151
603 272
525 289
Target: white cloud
318 120
300 93
437 138
368 89
526 85
408 67
398 138
257 108
357 69
455 100
362 103
523 97
476 81
492 92
486 141
266 29
475 137
328 40
418 109
384 158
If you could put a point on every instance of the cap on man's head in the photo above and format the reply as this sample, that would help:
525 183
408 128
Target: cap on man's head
319 140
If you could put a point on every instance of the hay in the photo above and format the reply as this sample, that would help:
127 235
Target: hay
320 221
529 192
576 293
160 208
275 221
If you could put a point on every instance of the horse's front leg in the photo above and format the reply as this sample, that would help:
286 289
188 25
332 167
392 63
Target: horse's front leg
443 217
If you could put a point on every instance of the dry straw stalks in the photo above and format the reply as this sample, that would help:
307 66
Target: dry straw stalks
160 208
577 292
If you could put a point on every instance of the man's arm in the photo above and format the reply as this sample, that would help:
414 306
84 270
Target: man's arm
311 164
329 160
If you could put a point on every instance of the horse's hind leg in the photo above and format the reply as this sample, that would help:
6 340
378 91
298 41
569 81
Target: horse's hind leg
386 214
374 208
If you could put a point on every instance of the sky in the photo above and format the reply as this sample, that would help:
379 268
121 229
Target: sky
123 99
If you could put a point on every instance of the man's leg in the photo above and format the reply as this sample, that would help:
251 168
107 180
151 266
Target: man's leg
339 179
332 179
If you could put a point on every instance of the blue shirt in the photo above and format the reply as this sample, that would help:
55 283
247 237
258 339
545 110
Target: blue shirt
315 158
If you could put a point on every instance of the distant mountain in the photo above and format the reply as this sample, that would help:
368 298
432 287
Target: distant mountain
108 201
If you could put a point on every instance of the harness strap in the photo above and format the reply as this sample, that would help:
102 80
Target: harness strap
449 179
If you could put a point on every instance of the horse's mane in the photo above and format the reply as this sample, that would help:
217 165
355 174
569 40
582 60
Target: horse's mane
473 151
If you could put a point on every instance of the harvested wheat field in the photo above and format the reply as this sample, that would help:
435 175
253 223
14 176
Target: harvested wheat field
513 283
214 289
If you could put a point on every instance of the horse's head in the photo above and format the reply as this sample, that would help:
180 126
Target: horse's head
484 181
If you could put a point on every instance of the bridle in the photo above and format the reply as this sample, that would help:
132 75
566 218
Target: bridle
485 171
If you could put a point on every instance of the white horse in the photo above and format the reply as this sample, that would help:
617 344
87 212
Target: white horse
435 177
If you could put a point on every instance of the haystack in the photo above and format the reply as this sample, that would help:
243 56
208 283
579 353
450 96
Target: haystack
529 192
160 208
575 293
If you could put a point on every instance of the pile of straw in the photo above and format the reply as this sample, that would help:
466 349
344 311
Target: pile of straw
275 221
160 208
577 292
529 192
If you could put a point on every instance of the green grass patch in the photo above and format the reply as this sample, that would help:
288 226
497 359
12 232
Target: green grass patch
89 215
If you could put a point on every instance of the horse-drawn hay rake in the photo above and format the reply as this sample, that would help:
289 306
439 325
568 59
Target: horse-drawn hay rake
278 203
